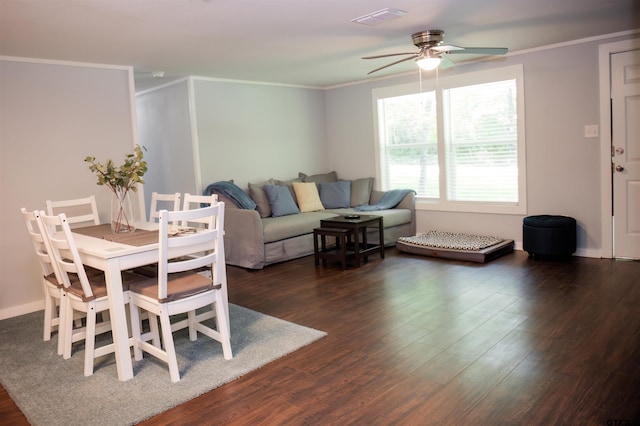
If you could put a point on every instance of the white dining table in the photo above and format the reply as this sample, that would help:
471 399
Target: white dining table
113 258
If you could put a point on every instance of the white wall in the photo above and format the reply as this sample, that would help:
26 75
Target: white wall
164 124
252 132
563 167
248 132
52 115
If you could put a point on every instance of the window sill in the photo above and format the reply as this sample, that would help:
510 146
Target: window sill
427 204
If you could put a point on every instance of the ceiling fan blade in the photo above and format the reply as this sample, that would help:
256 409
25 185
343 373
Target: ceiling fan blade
446 48
414 55
446 62
387 55
480 51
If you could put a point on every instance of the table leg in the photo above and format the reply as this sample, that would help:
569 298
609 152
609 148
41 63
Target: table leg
381 233
316 260
118 316
365 242
343 250
356 245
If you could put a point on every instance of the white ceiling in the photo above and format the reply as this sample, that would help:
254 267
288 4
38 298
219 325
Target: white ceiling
299 42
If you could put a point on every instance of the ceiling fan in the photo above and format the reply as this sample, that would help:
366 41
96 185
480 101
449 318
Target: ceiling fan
433 53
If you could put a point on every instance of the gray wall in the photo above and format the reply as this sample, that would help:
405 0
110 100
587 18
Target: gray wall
242 131
51 117
563 167
164 124
252 132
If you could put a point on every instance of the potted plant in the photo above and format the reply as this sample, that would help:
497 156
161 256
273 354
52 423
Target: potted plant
120 180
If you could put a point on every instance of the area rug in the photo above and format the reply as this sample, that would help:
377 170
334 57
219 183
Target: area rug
52 391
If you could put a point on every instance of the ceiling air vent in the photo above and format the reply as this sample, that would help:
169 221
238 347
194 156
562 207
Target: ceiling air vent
379 16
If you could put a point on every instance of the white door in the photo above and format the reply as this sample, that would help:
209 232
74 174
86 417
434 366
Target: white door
625 125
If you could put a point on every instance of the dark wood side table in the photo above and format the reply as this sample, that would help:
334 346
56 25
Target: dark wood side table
359 224
343 238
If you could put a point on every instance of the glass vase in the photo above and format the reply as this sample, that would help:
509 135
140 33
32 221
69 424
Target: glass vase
122 212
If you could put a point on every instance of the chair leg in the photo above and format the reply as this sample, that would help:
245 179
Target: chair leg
155 331
90 341
135 330
169 348
192 319
225 299
49 314
223 326
105 316
65 330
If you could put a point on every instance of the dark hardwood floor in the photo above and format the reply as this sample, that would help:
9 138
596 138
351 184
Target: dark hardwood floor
415 341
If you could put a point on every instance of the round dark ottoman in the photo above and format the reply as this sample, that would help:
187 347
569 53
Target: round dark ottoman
549 235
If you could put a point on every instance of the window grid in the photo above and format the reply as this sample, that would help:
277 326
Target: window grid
466 151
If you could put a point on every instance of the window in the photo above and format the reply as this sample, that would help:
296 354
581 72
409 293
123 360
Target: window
459 145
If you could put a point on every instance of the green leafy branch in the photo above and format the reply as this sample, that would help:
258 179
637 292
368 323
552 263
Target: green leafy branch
120 179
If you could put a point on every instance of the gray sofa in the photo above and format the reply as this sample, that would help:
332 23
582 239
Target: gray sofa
254 238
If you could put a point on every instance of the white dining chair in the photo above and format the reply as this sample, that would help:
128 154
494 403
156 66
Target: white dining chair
51 280
179 288
159 202
193 201
83 293
79 211
163 202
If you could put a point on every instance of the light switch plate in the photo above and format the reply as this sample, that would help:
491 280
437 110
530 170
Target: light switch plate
591 131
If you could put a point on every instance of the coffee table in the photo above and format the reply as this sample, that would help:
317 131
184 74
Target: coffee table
358 224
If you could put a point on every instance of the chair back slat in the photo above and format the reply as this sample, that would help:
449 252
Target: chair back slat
190 251
65 252
77 211
192 201
171 201
40 243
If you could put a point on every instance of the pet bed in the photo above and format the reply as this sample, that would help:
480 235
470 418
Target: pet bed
449 245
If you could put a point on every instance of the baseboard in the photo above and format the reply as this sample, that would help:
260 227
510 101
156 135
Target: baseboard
16 311
594 253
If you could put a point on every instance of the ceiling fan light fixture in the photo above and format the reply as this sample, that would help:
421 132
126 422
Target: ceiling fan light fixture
428 63
432 53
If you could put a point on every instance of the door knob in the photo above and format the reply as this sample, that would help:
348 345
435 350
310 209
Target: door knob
619 151
619 168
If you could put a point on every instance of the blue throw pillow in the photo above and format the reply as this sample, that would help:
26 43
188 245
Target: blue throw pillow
280 200
336 195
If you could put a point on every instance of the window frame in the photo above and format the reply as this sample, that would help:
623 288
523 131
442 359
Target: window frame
448 82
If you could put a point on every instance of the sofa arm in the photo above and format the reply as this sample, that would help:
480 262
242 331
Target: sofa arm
408 202
243 238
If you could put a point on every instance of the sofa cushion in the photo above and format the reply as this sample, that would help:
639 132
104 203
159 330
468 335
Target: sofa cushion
282 228
391 217
280 200
307 195
336 195
319 178
361 191
289 185
257 194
